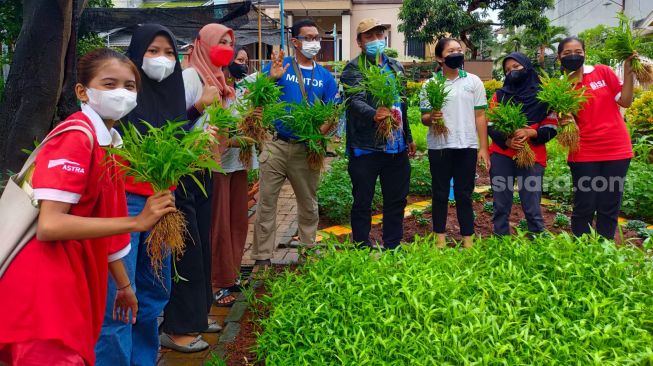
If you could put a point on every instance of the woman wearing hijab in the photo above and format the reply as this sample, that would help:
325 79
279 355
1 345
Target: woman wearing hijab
521 86
190 301
161 98
230 197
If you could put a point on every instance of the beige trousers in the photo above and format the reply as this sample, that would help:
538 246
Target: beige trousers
280 160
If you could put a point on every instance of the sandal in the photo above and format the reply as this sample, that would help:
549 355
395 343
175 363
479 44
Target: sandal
220 297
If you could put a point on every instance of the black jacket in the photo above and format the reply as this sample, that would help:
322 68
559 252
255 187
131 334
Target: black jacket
361 109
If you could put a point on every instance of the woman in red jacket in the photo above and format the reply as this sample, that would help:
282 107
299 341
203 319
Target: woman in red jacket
600 165
54 292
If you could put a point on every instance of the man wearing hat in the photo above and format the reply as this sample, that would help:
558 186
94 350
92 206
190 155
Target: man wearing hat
371 157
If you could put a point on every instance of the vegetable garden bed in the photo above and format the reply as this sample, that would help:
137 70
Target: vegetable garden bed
506 301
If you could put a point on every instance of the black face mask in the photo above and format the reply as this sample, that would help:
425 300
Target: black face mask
516 77
454 60
238 71
572 62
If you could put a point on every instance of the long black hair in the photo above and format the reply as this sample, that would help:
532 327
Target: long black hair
561 45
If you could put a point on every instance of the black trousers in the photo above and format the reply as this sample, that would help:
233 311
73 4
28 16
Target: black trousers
504 173
190 301
459 164
598 190
394 172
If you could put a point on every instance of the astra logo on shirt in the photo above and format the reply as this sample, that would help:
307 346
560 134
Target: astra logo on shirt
307 81
598 84
67 165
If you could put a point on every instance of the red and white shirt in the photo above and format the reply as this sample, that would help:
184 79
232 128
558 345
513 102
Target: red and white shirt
603 132
57 290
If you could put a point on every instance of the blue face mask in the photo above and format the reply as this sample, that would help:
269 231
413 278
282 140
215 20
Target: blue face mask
375 47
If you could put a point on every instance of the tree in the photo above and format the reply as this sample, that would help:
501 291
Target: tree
543 37
43 63
427 20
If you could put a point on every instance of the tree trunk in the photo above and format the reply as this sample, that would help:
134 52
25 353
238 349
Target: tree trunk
541 56
68 101
35 78
470 45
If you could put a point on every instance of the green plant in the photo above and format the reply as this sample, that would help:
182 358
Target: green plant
637 201
622 43
162 157
413 88
477 197
385 90
89 42
635 225
252 176
334 195
228 125
391 52
215 360
556 300
561 221
263 95
508 118
491 87
436 92
419 218
417 129
516 200
562 97
488 207
640 113
420 177
522 225
306 123
428 208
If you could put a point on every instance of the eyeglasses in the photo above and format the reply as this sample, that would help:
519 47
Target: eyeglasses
309 39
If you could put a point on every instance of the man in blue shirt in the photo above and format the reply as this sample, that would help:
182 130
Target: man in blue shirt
285 158
371 157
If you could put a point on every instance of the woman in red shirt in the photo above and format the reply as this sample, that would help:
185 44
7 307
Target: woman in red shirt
600 165
53 293
520 87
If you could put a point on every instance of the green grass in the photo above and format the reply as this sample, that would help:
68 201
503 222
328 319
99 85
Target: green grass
417 129
508 301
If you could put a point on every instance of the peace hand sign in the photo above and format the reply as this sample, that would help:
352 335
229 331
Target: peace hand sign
277 70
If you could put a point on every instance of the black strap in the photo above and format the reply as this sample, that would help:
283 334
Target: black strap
300 77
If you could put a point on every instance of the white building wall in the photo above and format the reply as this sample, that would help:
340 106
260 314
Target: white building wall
387 14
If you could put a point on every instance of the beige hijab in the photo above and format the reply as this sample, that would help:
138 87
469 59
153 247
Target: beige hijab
209 36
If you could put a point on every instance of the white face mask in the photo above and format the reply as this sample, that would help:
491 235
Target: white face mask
111 104
310 49
158 68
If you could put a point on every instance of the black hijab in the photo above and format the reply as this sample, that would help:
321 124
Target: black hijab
524 93
158 102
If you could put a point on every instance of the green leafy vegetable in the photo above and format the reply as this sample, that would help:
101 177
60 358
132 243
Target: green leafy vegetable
508 118
306 122
385 89
161 157
437 93
564 98
555 300
622 43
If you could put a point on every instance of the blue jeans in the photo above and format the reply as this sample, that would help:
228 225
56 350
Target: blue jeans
138 344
